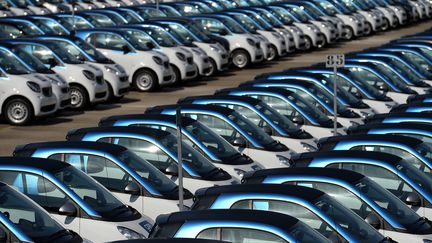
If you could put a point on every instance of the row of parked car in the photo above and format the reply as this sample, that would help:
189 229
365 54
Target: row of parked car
59 54
370 182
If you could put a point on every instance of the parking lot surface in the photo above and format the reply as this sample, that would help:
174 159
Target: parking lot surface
55 128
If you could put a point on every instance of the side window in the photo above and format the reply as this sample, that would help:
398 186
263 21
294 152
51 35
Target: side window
209 234
11 30
14 179
41 53
106 41
56 157
213 26
147 151
278 104
383 177
249 236
218 125
248 113
3 234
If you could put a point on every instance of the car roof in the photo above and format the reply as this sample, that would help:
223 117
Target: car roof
388 158
288 81
170 240
214 108
190 99
158 117
48 165
306 193
179 19
146 131
346 175
105 147
257 89
400 114
403 125
410 141
265 217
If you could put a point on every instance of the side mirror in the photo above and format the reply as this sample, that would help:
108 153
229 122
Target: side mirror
223 32
298 120
126 49
68 209
383 88
267 129
150 45
52 62
172 169
413 199
239 142
132 188
373 220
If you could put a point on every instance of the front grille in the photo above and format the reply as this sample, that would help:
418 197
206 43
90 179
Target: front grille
189 60
65 90
166 64
167 78
47 91
191 73
99 79
65 103
258 57
257 45
124 79
48 108
206 60
100 95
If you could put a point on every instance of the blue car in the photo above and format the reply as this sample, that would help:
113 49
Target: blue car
306 204
146 189
262 115
235 226
413 108
15 28
17 226
381 209
47 24
72 22
402 117
75 199
247 137
291 105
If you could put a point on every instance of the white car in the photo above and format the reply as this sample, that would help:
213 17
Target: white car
86 81
244 47
160 149
75 199
23 94
114 74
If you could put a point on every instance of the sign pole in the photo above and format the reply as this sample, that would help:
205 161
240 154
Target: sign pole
179 157
335 62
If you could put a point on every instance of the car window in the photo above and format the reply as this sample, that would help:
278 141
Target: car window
106 41
209 234
249 236
211 25
248 113
218 125
278 104
41 53
12 31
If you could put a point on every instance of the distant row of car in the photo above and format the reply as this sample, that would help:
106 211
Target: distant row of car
59 54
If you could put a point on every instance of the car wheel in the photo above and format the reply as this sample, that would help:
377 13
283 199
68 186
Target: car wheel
110 96
386 25
213 68
272 53
79 97
176 76
368 29
349 33
308 43
324 43
145 80
240 59
18 112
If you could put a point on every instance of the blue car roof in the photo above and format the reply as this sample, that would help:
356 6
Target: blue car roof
410 141
48 165
108 121
78 134
211 108
227 98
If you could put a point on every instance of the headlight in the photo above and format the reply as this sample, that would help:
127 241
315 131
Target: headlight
157 60
129 234
307 147
250 42
214 47
370 15
89 75
197 52
284 160
181 56
351 19
110 69
54 81
276 35
34 86
239 172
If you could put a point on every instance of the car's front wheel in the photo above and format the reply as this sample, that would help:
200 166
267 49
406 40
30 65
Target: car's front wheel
145 80
18 112
272 53
79 97
240 59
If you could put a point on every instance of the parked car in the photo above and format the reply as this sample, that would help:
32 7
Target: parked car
75 199
400 117
235 226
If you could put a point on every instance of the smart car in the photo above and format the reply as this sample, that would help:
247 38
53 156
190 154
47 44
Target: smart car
235 226
16 27
160 149
247 137
16 224
195 134
309 205
400 117
413 108
75 199
145 187
47 24
377 206
262 115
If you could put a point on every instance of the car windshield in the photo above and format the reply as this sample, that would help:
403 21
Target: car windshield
181 32
277 118
426 51
251 129
366 87
190 156
387 201
271 18
246 22
148 172
263 22
345 90
422 65
11 65
308 108
90 50
62 52
390 73
29 59
414 174
73 23
211 140
425 149
19 29
50 26
91 192
404 69
303 233
130 17
282 15
363 74
169 11
299 14
328 8
99 20
328 101
29 217
139 39
147 13
232 25
161 36
348 220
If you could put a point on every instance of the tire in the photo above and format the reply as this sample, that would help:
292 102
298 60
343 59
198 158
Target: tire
325 43
349 33
273 53
79 97
145 80
18 112
386 26
110 96
308 43
176 78
240 59
368 29
213 68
